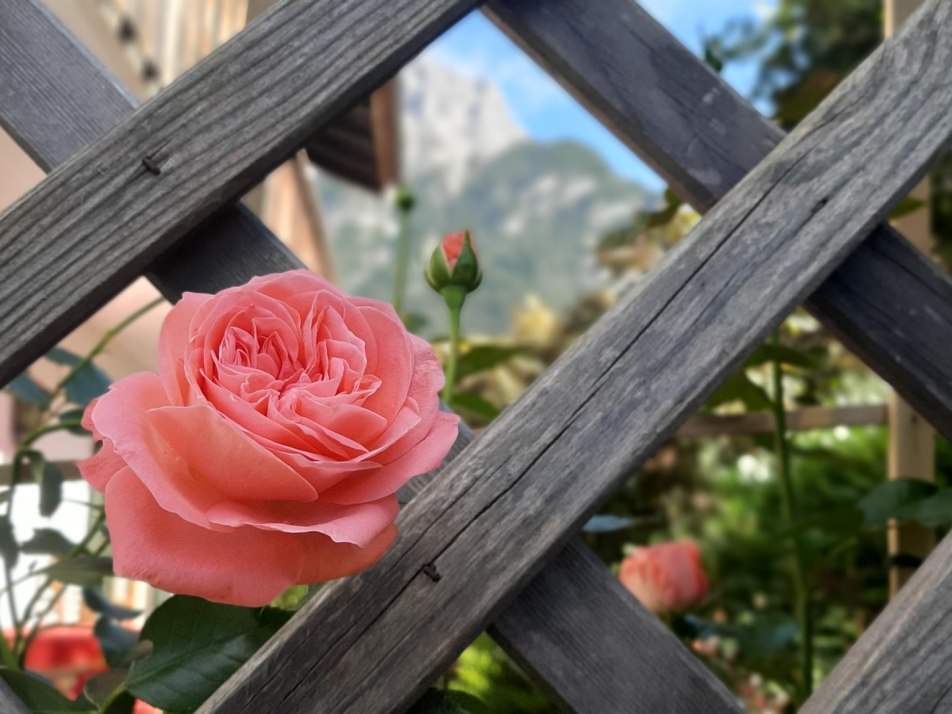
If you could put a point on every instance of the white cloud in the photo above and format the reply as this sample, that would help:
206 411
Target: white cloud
516 74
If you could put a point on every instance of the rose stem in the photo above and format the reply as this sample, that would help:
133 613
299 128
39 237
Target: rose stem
403 260
454 296
99 347
789 510
78 550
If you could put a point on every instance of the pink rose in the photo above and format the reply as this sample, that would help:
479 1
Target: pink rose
667 577
268 449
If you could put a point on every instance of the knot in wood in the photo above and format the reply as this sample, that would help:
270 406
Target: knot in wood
151 165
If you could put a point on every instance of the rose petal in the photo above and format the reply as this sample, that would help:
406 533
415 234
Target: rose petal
323 559
224 457
244 566
173 342
358 524
426 455
120 415
393 362
101 466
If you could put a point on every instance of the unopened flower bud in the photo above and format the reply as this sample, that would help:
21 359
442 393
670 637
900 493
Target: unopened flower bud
454 264
404 200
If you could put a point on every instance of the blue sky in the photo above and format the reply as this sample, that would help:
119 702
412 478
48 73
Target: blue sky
546 111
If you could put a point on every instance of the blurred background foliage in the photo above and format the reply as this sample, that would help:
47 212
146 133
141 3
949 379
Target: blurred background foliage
722 491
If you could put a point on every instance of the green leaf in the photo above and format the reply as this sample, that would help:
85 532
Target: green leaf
97 602
841 521
932 512
442 701
476 406
607 523
71 415
48 541
892 498
26 390
780 353
116 641
757 640
9 548
50 479
905 207
79 570
483 357
101 691
51 489
414 321
197 645
739 388
98 688
40 697
87 383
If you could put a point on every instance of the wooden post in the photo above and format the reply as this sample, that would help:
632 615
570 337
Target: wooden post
911 438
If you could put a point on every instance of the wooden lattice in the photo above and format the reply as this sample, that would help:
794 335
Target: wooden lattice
791 220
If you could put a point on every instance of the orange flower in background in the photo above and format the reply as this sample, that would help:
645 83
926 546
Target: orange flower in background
666 578
68 656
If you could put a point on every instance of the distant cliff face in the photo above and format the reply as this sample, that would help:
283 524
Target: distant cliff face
536 209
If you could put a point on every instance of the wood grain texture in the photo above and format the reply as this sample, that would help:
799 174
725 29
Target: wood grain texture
231 248
56 98
374 642
901 663
103 216
588 643
703 138
643 668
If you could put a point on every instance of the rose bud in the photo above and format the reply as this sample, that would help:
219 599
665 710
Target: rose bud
268 450
666 577
404 200
454 264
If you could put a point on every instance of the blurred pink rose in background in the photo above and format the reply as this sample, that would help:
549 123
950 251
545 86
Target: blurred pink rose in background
666 577
268 449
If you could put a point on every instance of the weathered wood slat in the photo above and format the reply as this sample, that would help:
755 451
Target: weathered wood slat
589 644
56 98
486 527
99 219
234 246
697 133
590 654
901 663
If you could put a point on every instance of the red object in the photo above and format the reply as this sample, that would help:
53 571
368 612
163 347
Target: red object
666 577
70 656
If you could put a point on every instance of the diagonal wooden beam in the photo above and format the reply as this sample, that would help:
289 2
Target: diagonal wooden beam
698 134
901 663
624 651
472 539
98 220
